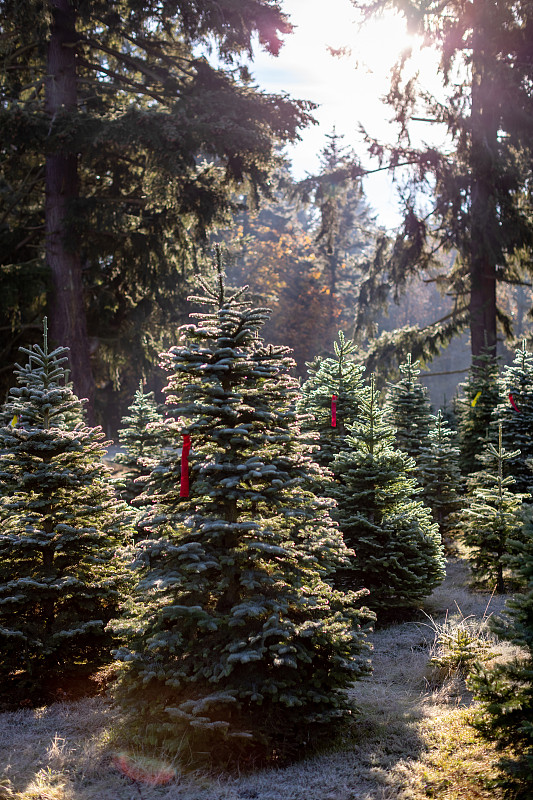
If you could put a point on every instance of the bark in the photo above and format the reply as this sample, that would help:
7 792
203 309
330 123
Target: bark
483 214
68 324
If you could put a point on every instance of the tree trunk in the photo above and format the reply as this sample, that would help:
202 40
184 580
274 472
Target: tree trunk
483 215
68 325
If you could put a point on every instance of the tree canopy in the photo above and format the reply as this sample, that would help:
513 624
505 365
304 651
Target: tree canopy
471 198
126 128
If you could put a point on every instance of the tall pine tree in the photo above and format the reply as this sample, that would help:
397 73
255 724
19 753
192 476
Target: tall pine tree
122 144
398 551
60 527
480 212
238 645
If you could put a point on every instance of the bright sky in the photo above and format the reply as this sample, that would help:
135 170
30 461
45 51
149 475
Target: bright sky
348 89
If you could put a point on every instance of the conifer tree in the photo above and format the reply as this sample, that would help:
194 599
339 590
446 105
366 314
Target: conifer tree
491 519
331 397
410 411
475 410
515 411
440 477
238 644
398 551
124 143
505 691
60 526
141 439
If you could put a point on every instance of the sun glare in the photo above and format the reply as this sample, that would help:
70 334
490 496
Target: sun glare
344 65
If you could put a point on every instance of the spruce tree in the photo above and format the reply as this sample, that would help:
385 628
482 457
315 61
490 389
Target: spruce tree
141 439
505 691
239 647
475 410
515 411
440 477
331 397
491 519
410 411
398 551
60 527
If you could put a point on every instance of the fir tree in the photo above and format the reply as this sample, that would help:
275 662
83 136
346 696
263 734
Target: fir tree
60 526
331 395
440 477
491 518
506 690
475 410
481 208
515 411
123 141
398 551
141 439
410 411
239 645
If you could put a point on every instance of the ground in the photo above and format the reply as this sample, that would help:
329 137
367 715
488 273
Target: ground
411 739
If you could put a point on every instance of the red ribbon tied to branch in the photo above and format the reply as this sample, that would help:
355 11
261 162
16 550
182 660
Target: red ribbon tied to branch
184 483
511 400
333 410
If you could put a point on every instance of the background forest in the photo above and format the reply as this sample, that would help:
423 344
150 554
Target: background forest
127 150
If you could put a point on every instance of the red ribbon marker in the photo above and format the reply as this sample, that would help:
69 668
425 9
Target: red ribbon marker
511 400
333 410
184 483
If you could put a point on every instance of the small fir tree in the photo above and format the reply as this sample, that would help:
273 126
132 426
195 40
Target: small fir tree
505 691
142 441
239 645
331 397
410 411
515 411
440 476
491 519
60 526
398 551
475 410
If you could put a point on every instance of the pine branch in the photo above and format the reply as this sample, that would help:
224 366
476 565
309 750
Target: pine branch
135 64
142 89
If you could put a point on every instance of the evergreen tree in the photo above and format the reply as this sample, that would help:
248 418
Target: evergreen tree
491 518
475 411
60 527
481 203
238 645
440 477
515 411
304 250
410 411
331 395
122 144
398 551
141 439
505 691
346 233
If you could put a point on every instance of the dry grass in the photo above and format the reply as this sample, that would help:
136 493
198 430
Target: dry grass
410 741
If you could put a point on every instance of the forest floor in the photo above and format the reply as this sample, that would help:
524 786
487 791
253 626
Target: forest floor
411 740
